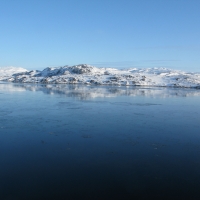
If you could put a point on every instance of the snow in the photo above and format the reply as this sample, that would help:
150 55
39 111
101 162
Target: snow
7 72
90 75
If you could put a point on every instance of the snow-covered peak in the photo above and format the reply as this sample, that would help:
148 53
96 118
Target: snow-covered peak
9 71
76 69
84 69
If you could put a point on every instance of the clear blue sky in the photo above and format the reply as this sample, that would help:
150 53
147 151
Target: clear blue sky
35 34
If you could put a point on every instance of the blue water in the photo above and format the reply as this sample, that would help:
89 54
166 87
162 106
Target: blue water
83 142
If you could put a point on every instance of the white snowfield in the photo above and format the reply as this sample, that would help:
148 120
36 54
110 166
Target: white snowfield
7 72
86 74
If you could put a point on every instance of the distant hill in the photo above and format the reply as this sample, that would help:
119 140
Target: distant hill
86 74
9 71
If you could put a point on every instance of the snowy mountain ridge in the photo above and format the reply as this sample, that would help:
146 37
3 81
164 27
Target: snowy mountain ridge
86 74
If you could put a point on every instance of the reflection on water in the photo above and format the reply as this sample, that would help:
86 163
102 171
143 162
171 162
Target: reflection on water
89 92
84 142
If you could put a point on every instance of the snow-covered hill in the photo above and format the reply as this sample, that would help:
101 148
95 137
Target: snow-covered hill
7 72
86 74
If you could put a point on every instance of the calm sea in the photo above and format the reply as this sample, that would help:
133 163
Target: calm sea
73 142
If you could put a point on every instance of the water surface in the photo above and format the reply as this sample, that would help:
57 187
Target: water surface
84 142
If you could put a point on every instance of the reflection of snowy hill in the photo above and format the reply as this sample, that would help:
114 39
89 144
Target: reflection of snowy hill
89 92
86 74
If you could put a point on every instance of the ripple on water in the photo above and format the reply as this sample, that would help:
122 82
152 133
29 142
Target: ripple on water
5 112
74 108
134 104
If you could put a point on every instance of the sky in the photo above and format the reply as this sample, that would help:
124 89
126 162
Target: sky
35 34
